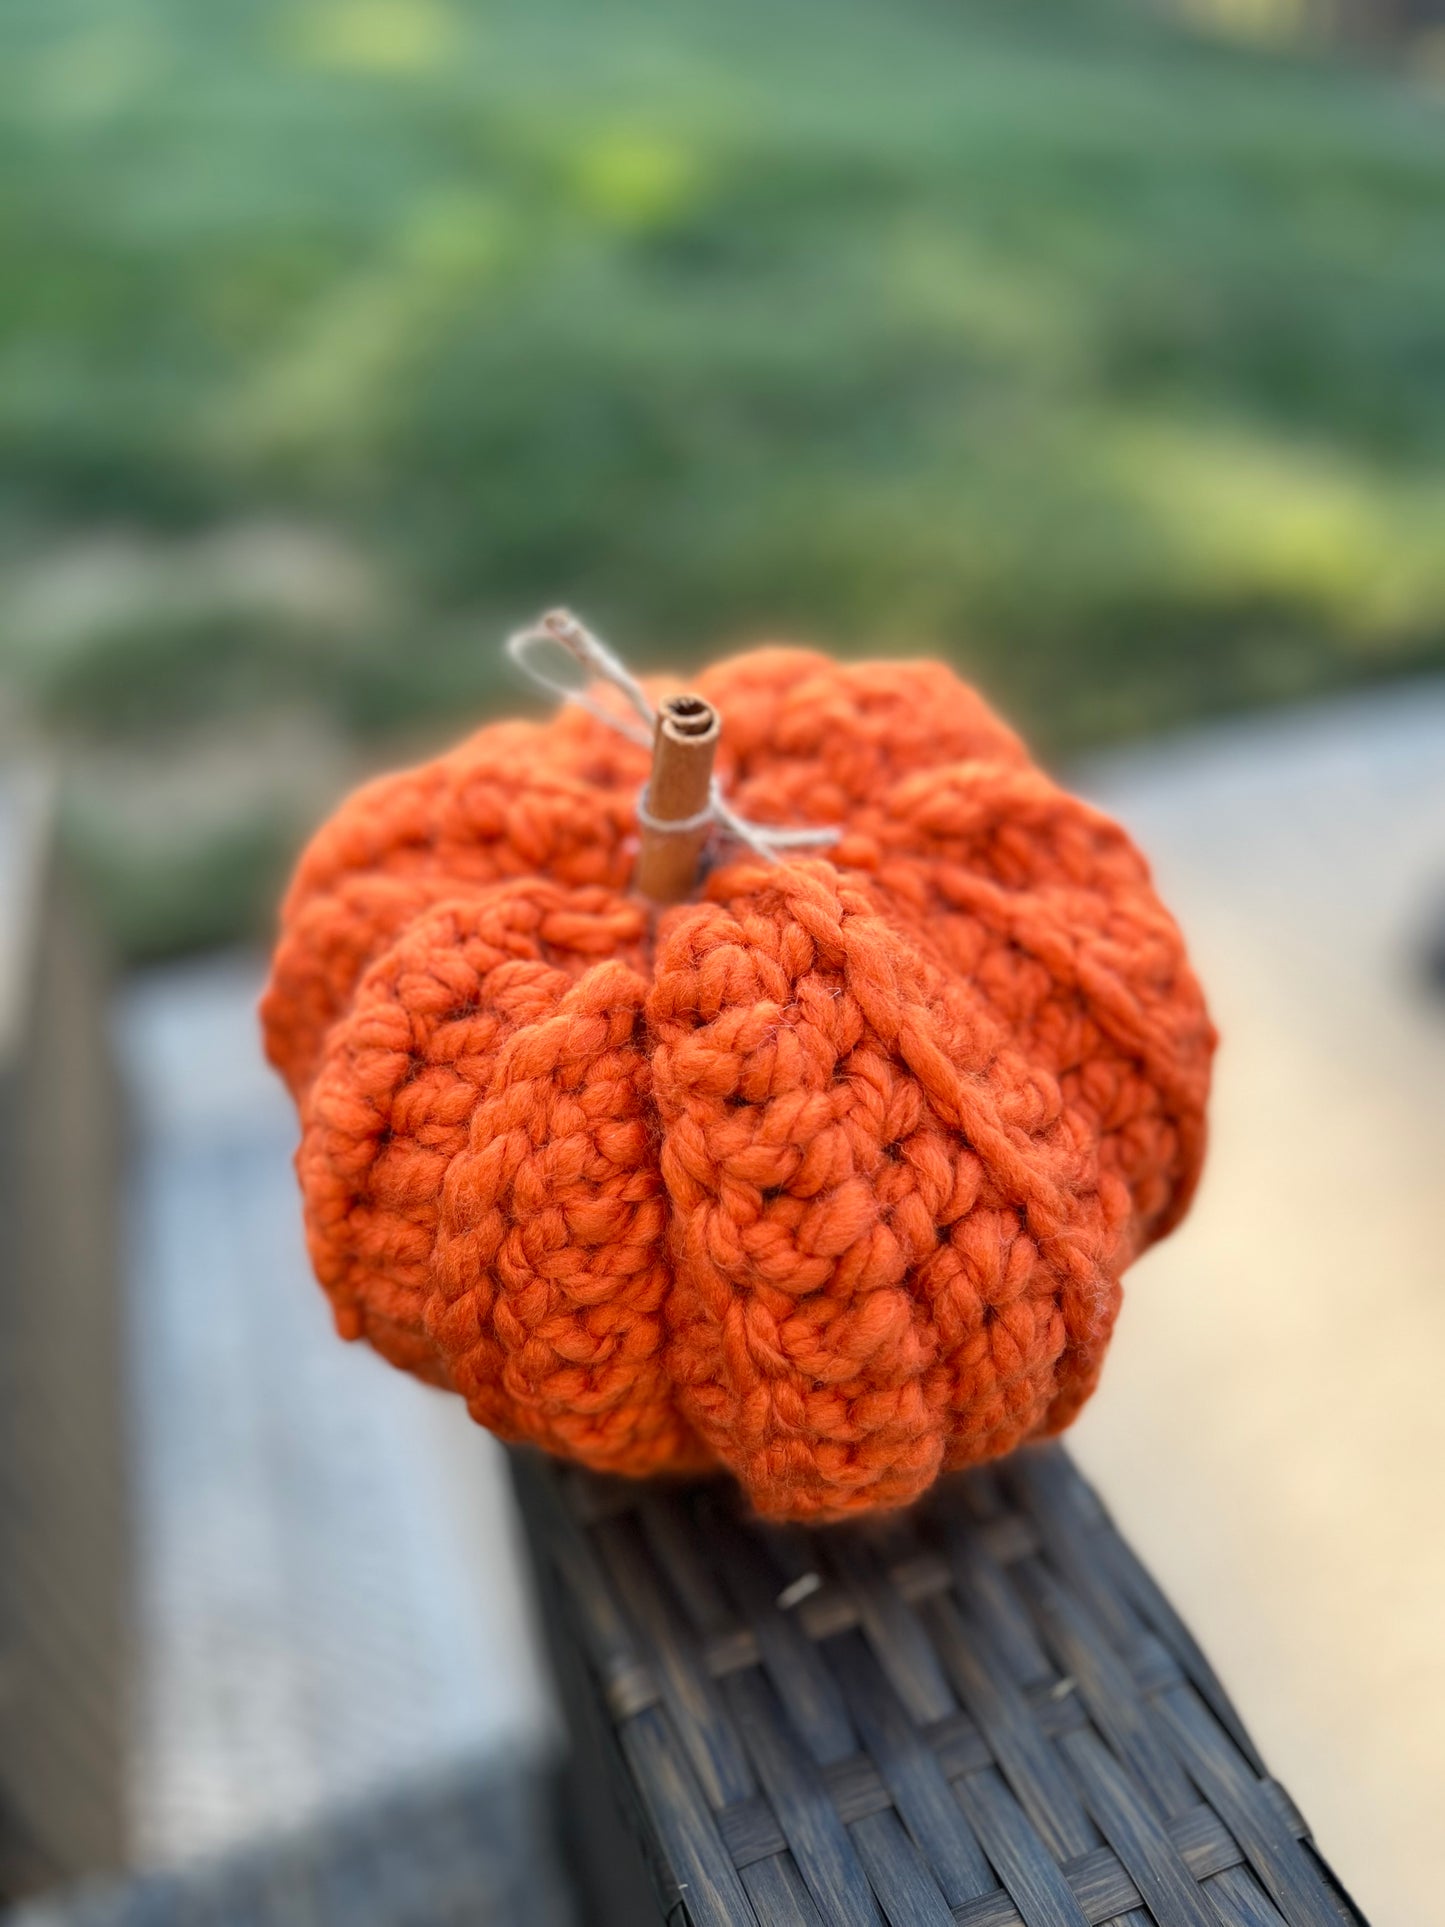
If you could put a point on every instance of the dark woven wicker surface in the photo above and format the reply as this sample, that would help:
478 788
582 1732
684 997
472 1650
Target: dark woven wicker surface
984 1712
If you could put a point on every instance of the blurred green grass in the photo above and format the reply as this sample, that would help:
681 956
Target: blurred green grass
337 334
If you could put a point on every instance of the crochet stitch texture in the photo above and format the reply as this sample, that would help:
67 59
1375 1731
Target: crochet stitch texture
827 1177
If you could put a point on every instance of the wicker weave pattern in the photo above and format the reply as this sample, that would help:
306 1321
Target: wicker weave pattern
984 1712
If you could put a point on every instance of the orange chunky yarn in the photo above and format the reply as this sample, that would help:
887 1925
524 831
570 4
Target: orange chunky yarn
827 1177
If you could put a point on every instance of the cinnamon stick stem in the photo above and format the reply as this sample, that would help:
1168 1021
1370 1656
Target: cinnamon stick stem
683 750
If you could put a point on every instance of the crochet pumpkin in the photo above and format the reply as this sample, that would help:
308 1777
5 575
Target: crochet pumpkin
827 1177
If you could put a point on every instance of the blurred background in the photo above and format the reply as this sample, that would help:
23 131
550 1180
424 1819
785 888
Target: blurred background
1100 346
1096 344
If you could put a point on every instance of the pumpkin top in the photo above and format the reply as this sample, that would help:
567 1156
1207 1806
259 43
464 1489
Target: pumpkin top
827 1177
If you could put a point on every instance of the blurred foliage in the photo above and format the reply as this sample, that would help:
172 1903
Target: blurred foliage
335 334
200 893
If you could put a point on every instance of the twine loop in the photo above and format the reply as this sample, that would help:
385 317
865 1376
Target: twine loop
559 629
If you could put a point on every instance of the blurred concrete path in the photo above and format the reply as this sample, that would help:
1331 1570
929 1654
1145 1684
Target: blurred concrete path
332 1600
1271 1427
474 1846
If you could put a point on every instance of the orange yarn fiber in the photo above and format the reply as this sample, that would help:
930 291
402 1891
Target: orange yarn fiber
827 1177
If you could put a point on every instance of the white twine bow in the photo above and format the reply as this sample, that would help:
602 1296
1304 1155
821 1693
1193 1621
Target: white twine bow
559 629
